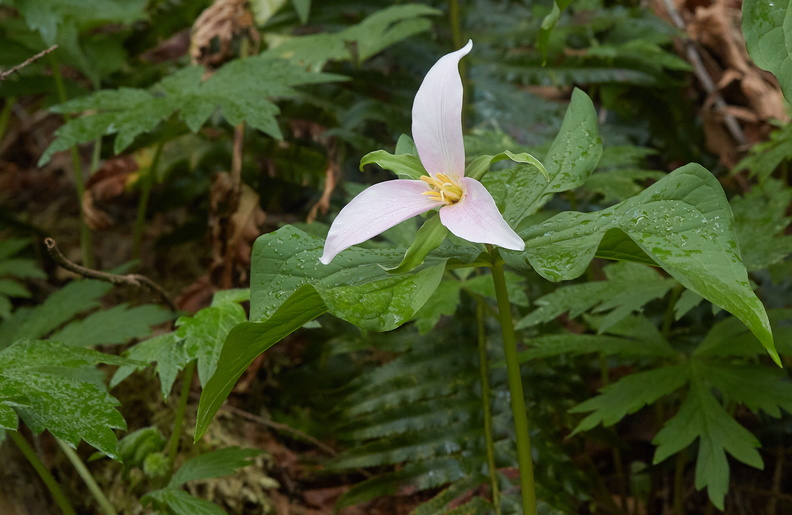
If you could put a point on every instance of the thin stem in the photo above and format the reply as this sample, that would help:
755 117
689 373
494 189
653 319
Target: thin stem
178 422
145 193
519 412
87 478
455 22
138 280
621 478
485 405
79 182
679 476
49 481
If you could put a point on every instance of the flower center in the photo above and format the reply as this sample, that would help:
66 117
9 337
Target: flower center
445 189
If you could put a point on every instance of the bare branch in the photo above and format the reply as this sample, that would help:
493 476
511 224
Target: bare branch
141 281
4 75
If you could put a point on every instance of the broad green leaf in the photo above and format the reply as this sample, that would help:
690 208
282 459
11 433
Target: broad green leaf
72 410
217 463
630 394
617 246
246 341
303 8
702 417
179 501
571 159
354 286
682 221
406 166
767 27
204 334
115 325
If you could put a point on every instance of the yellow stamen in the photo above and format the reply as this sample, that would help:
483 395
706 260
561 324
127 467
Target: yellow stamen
445 189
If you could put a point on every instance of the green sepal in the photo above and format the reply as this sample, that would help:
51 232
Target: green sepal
480 166
406 166
429 237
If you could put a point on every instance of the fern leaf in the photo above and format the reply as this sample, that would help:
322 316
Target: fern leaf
702 417
630 394
629 287
118 324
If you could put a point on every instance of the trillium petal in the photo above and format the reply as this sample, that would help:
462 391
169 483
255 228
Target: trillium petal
437 116
476 218
375 210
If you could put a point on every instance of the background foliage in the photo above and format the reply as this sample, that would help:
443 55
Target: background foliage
187 130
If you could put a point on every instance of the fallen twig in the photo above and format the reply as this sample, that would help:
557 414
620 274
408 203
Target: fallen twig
703 76
141 281
4 75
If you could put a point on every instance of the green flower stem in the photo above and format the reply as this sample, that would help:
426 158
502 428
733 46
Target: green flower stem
145 192
485 405
515 385
87 478
79 182
178 422
44 474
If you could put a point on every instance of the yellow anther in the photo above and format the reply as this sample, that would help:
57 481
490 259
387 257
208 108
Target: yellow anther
445 189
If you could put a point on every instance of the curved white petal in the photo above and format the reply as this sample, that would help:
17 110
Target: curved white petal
437 116
375 210
476 218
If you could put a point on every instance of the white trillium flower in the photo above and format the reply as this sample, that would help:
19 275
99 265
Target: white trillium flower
465 206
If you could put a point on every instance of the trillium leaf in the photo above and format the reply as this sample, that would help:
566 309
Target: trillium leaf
288 258
289 287
683 222
767 27
572 157
32 389
249 339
